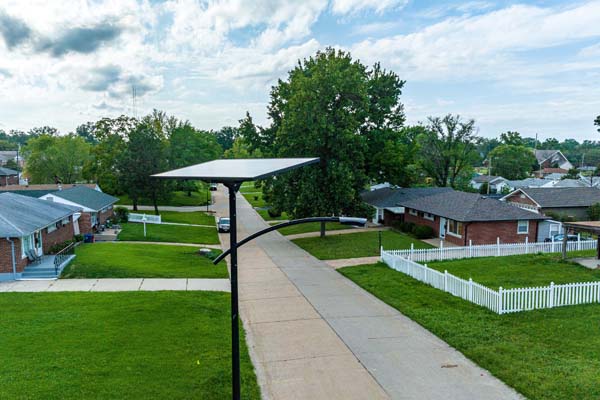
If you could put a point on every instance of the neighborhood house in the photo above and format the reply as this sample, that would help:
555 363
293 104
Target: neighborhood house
8 177
552 162
29 227
559 201
463 218
496 184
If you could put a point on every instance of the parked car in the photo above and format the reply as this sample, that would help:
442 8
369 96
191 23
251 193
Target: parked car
559 238
213 187
223 224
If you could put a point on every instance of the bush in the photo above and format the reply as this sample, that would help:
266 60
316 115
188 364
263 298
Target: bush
423 232
78 237
121 214
274 212
407 227
59 246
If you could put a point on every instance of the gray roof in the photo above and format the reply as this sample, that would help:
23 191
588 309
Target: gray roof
564 197
570 183
8 171
528 182
542 155
486 178
467 207
21 215
86 197
391 197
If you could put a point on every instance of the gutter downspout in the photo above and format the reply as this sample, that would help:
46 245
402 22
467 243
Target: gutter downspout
14 263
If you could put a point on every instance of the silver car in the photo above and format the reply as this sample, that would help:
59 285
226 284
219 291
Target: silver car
223 224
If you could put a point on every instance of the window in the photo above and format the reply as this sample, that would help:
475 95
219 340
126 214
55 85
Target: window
65 221
51 228
429 216
412 212
523 227
26 245
455 228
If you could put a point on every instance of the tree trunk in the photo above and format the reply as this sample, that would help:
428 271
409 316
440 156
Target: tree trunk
135 203
322 229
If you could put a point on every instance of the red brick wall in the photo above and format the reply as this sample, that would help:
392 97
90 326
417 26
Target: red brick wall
9 180
435 224
6 256
61 235
104 216
389 217
85 223
516 198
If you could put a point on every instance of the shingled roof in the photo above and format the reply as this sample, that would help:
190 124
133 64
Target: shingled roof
8 172
89 198
563 197
391 197
22 215
469 207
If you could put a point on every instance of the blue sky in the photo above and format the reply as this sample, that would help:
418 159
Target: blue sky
529 66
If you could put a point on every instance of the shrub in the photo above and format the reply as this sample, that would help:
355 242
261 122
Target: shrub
274 212
59 246
121 214
78 237
407 227
423 232
255 198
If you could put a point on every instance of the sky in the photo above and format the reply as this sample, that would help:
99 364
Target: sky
526 66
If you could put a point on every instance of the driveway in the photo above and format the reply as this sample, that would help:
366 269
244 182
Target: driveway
313 334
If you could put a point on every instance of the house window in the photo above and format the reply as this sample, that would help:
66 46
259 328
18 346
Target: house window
65 221
455 228
412 212
523 227
26 245
429 216
51 228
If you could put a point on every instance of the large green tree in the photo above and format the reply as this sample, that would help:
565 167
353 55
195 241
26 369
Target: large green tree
52 159
512 138
225 136
319 112
597 122
512 161
448 150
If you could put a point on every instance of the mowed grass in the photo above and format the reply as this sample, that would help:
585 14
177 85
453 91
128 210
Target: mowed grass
129 260
312 227
134 345
265 215
518 271
196 218
362 244
255 198
547 354
169 233
178 199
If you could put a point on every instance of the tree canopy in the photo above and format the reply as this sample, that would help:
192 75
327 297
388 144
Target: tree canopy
512 161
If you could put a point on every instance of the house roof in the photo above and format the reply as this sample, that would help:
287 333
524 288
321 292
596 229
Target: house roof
469 207
563 197
8 172
22 215
569 183
41 190
528 182
391 197
487 178
86 197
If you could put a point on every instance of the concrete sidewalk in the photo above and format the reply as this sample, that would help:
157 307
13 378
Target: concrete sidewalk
350 262
116 285
314 334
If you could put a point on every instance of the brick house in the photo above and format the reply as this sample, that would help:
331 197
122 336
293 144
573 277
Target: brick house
385 201
96 206
461 218
30 226
568 202
8 177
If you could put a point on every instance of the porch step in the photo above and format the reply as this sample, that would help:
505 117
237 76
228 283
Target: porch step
44 270
38 275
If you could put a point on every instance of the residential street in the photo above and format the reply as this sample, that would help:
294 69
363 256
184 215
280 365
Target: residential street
313 334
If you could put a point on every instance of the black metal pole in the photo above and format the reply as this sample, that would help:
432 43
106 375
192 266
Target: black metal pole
235 339
379 249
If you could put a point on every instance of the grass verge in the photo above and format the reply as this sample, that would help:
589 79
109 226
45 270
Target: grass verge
127 260
312 227
197 218
351 245
169 233
135 345
547 354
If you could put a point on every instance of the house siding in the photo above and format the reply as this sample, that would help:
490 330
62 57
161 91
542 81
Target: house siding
9 180
6 256
105 216
389 218
85 223
60 235
516 198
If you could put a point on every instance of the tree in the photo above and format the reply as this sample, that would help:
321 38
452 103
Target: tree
318 112
597 122
52 159
447 149
512 138
225 137
512 162
86 131
145 154
573 173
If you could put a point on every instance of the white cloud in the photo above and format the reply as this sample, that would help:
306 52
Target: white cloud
342 7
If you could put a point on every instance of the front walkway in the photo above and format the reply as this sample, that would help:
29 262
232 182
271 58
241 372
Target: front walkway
116 285
351 262
314 334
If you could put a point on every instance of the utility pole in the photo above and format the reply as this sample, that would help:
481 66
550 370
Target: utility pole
489 174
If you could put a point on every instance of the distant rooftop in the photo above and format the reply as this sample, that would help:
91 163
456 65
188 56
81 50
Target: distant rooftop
8 172
391 197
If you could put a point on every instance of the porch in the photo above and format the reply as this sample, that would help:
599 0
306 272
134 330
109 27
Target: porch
49 267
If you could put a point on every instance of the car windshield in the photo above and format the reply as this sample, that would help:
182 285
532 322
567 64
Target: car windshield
224 220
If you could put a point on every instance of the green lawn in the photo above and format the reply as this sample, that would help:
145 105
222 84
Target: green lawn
265 215
127 260
518 271
255 199
249 187
169 233
198 218
312 227
362 244
179 199
547 354
134 345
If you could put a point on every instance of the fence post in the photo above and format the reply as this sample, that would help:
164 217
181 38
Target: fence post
553 247
498 246
470 248
526 244
471 289
381 253
412 249
551 300
579 241
500 298
445 280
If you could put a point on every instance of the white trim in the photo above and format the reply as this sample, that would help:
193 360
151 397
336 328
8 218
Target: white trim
413 212
429 216
519 226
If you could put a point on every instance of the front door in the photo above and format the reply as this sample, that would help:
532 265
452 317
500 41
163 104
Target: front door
442 227
39 249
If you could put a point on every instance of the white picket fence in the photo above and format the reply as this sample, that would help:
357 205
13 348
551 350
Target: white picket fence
491 250
502 301
150 218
